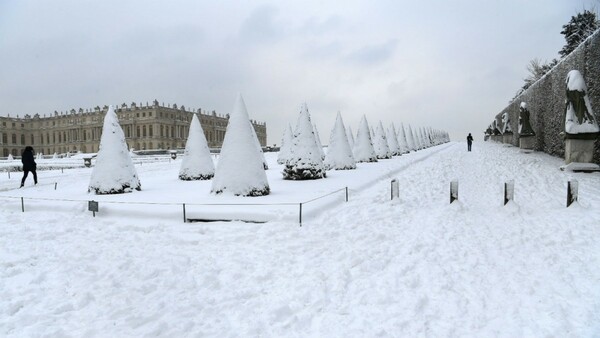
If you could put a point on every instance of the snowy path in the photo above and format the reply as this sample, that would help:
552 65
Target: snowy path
369 267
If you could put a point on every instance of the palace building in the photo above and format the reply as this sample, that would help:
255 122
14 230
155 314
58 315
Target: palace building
146 127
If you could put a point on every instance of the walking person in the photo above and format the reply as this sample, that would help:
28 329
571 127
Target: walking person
28 165
469 141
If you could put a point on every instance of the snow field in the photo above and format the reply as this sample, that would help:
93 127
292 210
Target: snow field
416 266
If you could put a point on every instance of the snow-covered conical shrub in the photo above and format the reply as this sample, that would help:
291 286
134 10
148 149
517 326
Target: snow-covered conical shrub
114 172
39 156
259 148
350 137
410 138
363 146
55 156
380 143
319 144
305 162
393 141
240 170
402 142
197 163
339 155
286 143
10 158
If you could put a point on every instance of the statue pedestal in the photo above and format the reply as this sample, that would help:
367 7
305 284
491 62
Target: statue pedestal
497 138
581 151
507 138
527 143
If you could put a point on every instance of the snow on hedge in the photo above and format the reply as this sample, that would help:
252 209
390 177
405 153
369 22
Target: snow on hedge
393 141
197 162
339 154
350 135
114 172
319 144
305 162
240 170
363 145
402 142
380 143
286 143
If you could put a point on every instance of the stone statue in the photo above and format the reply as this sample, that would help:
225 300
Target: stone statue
525 128
506 128
580 122
495 129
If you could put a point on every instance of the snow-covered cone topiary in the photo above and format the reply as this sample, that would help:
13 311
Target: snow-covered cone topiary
259 147
305 162
410 137
339 155
402 142
197 163
319 144
286 143
363 146
350 137
10 158
114 172
380 143
55 156
240 170
393 141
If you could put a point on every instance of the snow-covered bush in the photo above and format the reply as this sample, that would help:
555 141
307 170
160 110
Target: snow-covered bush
286 144
240 170
380 143
319 144
339 155
393 141
363 146
305 162
197 163
350 137
114 172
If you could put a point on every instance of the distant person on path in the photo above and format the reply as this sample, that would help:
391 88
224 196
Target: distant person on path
28 165
469 141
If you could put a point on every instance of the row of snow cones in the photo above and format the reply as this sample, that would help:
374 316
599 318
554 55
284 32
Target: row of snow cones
241 167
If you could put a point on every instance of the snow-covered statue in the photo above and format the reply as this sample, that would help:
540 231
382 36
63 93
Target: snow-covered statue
488 131
525 128
506 128
495 129
580 122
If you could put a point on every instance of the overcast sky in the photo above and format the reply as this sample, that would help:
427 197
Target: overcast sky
450 65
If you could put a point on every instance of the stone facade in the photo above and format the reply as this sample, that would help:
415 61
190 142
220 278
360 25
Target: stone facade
546 99
145 126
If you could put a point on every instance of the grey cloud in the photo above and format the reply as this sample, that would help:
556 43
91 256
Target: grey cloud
374 54
262 26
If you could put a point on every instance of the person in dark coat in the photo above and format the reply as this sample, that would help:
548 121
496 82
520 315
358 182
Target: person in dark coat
28 165
469 141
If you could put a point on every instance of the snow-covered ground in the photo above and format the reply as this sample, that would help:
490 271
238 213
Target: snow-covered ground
417 266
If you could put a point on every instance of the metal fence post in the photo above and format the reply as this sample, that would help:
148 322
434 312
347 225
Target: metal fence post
509 191
453 191
394 189
22 205
346 194
184 219
300 214
572 192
